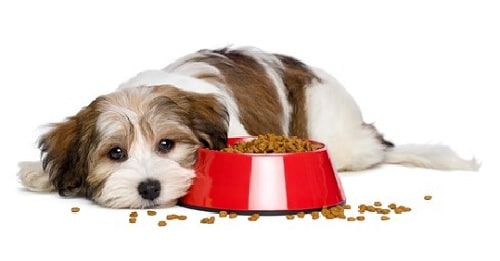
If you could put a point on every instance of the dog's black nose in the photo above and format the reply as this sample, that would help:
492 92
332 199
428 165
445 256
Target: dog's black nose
149 189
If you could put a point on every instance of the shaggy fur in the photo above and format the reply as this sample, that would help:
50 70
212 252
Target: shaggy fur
135 147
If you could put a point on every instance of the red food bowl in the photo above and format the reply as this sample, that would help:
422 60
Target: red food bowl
272 183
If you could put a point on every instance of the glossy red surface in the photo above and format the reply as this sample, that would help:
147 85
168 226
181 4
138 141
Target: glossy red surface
263 182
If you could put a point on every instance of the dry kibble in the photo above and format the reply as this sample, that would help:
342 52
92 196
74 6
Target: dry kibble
208 220
383 211
405 209
428 197
370 208
254 217
172 217
222 213
334 212
75 209
271 143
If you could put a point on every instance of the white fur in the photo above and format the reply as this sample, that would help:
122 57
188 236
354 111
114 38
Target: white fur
143 163
32 176
188 83
435 156
120 189
333 117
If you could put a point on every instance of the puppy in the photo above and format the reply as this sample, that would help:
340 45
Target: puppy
136 147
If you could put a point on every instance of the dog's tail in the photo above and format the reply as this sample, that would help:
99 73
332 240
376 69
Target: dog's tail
432 156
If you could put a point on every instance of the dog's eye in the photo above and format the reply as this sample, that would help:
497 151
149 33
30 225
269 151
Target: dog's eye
117 154
165 145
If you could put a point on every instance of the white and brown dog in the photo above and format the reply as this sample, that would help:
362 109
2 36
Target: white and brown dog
135 147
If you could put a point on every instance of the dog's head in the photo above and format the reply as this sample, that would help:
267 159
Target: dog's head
134 148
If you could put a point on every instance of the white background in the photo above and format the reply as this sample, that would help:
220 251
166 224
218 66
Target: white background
422 71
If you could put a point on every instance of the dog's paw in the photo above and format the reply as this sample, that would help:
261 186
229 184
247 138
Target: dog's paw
33 177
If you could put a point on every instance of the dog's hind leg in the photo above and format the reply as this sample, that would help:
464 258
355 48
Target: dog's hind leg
335 119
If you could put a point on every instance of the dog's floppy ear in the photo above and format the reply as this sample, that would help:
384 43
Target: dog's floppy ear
209 119
65 150
205 114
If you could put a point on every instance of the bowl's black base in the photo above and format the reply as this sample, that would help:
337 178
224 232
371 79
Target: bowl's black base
260 212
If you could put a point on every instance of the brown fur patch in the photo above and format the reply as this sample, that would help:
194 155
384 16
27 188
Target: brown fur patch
296 77
66 148
251 87
203 113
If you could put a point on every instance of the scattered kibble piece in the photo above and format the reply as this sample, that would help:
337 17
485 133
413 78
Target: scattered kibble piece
334 212
254 217
383 211
208 220
428 197
75 209
172 217
222 213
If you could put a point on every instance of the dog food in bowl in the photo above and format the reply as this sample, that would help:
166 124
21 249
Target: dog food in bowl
271 143
250 178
